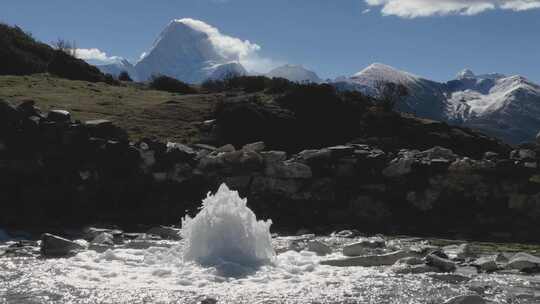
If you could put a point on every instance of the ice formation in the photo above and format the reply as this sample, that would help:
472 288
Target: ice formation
226 230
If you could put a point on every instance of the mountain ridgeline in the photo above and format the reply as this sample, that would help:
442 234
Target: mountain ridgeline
507 107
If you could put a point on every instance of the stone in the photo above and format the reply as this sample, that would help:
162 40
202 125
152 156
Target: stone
145 244
441 263
410 261
524 262
59 116
413 269
398 167
165 232
180 152
266 185
226 148
454 252
55 246
289 169
488 263
315 156
346 234
491 156
370 260
438 153
470 299
341 151
271 157
254 147
318 247
91 233
104 238
523 155
359 248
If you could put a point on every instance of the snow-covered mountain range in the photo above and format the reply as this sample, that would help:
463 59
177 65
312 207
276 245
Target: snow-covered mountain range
507 107
504 106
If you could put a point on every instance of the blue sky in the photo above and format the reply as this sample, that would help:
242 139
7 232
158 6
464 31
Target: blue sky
434 39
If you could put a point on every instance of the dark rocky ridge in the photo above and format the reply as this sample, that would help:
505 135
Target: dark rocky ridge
58 172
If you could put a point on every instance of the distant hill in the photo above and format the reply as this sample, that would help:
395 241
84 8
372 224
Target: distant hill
21 54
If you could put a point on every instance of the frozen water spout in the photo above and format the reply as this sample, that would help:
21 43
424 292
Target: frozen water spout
226 231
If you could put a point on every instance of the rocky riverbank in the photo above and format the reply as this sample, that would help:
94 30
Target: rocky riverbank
60 172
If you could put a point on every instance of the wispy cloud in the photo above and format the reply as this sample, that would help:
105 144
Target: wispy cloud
425 8
95 55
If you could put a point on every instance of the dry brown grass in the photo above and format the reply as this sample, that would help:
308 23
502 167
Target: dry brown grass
142 112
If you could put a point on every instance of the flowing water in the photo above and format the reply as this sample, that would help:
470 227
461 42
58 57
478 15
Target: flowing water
229 256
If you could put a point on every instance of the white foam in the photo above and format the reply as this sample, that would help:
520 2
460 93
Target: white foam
226 230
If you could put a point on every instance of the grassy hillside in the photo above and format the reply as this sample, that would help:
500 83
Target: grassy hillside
142 112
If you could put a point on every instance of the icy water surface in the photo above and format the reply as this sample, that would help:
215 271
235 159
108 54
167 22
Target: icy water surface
159 275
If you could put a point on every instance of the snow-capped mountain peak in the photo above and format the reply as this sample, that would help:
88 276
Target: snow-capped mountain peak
465 74
296 73
381 72
193 51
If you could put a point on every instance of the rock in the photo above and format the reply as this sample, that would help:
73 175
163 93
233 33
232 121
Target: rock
104 238
346 234
269 185
100 248
441 263
359 248
226 148
413 269
457 251
315 156
524 262
524 155
398 167
59 116
180 152
491 156
410 261
370 260
318 247
341 151
271 157
288 169
164 232
91 233
470 299
438 153
488 263
254 147
55 246
28 108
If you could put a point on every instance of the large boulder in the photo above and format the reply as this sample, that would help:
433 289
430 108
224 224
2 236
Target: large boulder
360 247
370 260
441 263
487 263
318 247
524 262
398 167
55 246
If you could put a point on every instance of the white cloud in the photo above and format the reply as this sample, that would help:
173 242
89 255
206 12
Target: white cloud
233 49
95 55
424 8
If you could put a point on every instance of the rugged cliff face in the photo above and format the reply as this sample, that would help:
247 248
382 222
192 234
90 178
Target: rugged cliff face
59 172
